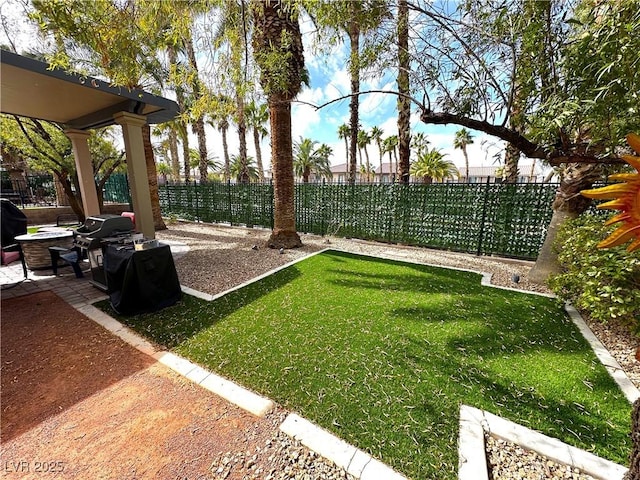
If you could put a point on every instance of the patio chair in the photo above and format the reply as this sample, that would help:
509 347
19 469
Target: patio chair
73 256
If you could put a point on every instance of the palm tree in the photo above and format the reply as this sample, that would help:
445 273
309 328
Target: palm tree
242 171
344 132
404 105
170 145
462 139
376 136
325 151
233 24
431 165
389 145
180 122
364 139
307 159
164 170
222 110
277 49
257 117
194 160
419 143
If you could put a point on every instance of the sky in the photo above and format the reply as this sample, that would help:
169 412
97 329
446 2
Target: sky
329 80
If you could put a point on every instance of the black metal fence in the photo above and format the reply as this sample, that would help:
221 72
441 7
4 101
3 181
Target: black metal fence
501 219
39 190
28 190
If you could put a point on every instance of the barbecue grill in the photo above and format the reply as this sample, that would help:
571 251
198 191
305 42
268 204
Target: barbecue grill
96 232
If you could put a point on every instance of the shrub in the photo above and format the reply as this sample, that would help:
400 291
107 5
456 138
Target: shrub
603 283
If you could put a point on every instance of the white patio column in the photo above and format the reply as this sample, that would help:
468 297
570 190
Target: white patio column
84 167
137 169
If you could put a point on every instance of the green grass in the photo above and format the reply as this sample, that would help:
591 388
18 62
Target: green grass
383 353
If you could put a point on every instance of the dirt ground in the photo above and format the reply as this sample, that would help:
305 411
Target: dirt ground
71 405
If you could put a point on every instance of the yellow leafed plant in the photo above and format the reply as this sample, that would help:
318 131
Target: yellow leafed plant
623 196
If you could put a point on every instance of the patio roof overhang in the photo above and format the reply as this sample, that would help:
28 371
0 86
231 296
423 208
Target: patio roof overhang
31 88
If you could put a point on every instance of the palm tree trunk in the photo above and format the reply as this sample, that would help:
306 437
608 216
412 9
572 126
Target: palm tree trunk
198 130
533 170
354 104
185 154
225 150
404 107
198 125
346 149
284 233
152 177
256 141
568 204
511 157
173 149
181 125
466 163
242 137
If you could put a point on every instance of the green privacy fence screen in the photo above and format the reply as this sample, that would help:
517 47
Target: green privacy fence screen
116 189
486 219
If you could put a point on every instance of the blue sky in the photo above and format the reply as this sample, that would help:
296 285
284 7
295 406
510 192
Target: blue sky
329 80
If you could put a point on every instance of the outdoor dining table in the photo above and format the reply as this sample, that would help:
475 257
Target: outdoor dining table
35 246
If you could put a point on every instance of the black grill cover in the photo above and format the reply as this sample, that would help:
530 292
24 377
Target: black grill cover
13 222
141 281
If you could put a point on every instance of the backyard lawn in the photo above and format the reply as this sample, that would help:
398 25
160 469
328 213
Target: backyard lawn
383 353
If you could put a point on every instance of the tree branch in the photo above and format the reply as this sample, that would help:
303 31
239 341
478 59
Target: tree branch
527 147
344 97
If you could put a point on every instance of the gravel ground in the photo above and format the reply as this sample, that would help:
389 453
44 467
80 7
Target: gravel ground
508 461
222 257
280 458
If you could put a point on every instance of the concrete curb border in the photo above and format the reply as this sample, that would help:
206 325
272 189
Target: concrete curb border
611 364
472 463
354 461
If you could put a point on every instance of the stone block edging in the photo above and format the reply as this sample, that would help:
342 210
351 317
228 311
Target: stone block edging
472 461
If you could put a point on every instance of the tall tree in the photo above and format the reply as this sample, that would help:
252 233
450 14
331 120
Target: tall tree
257 117
419 142
344 132
121 42
277 49
354 18
233 32
404 104
548 87
198 123
364 139
180 122
431 165
171 143
221 111
462 139
390 144
376 136
308 159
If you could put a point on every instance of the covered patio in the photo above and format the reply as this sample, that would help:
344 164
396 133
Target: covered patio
31 88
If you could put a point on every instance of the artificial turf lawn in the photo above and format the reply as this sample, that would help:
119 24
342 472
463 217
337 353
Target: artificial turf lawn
383 353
